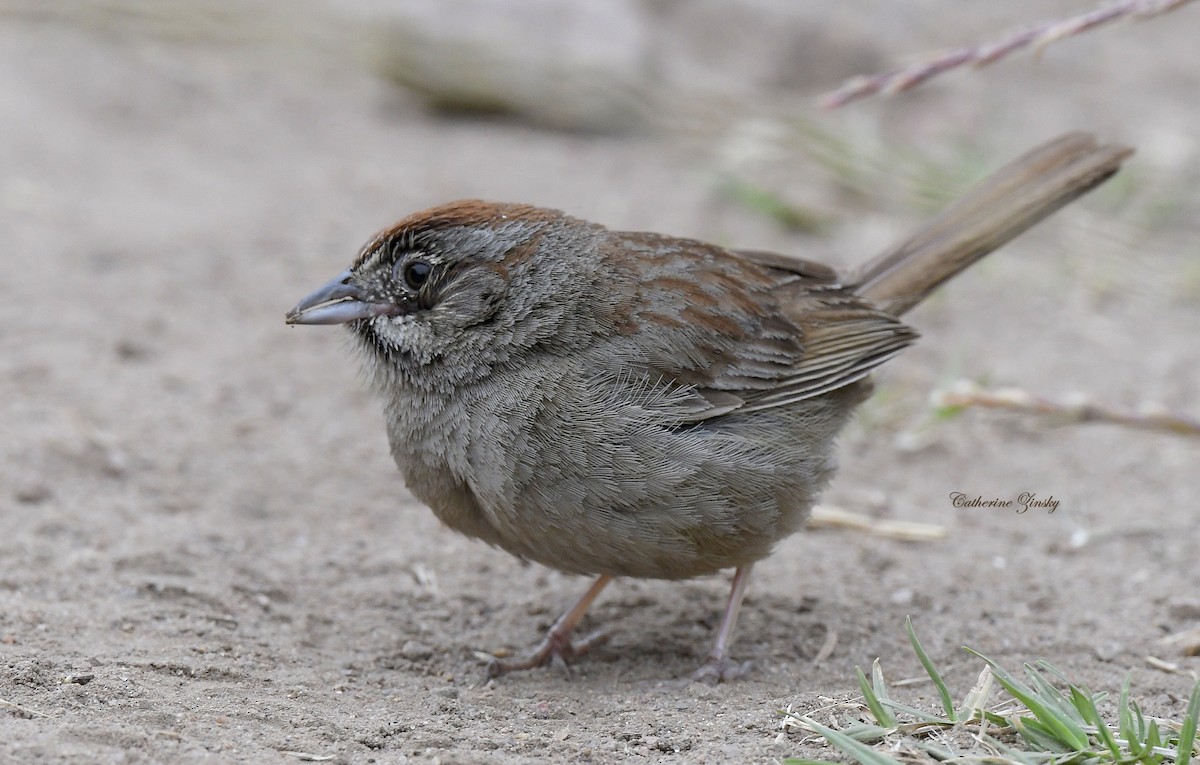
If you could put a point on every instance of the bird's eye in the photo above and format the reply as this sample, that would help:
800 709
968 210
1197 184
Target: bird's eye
415 273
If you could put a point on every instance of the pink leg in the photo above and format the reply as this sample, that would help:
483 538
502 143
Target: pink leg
717 667
557 646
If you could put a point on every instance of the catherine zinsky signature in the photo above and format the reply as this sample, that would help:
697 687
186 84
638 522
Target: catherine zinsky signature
1025 501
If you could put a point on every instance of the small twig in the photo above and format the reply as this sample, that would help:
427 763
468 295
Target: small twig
1164 666
827 517
827 646
1038 35
18 709
966 394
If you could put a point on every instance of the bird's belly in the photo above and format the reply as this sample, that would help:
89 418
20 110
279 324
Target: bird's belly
685 517
603 490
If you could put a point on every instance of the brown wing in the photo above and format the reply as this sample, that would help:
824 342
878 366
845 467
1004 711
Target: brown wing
748 330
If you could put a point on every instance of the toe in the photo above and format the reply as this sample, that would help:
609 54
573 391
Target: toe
715 671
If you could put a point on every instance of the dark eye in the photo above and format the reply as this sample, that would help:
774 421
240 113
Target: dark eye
415 273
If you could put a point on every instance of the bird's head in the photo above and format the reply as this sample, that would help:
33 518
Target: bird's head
444 294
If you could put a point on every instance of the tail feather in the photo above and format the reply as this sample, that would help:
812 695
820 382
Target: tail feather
1004 205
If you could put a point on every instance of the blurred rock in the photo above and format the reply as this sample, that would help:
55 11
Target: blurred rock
33 493
1185 610
615 65
415 651
566 64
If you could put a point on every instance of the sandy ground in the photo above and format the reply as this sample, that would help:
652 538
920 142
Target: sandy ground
196 502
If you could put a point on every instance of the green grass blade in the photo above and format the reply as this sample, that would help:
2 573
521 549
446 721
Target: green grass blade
1060 725
878 684
1045 666
939 753
998 720
881 714
1153 741
872 702
920 714
1050 695
1087 709
1019 690
1187 731
1125 715
934 675
1139 721
1010 755
859 751
1040 736
867 733
803 761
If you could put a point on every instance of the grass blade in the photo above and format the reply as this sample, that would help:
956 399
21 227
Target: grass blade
1139 722
878 684
1125 715
1041 718
1051 696
1060 725
934 675
1087 708
859 751
919 714
1153 741
866 733
881 714
1187 732
1040 736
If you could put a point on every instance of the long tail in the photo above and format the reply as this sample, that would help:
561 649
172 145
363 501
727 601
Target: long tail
1002 206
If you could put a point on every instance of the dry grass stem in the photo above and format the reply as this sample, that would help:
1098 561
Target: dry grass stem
1037 36
965 394
21 710
827 517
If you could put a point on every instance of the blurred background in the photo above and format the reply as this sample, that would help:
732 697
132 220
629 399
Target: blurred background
689 116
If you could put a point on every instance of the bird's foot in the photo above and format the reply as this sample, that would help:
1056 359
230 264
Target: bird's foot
720 669
555 649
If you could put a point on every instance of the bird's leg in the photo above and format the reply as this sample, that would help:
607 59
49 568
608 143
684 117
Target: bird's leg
717 667
557 646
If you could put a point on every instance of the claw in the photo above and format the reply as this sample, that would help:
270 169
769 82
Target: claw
715 670
555 649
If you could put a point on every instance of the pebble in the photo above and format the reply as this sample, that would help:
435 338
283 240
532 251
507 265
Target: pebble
414 651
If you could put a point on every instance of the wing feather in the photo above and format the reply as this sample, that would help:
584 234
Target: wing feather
749 330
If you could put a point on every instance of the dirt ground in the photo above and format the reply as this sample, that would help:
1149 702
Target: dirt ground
197 506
